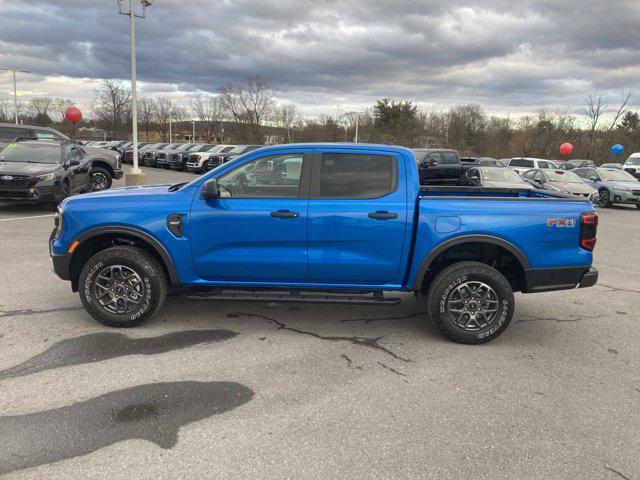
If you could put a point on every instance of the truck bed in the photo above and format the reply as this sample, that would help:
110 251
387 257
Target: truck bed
431 191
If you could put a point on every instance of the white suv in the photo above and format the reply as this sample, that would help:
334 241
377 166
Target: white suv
196 162
632 165
522 164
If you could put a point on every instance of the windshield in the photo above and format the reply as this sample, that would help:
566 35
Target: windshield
238 149
419 155
499 175
563 176
30 153
170 146
184 146
207 148
633 161
616 175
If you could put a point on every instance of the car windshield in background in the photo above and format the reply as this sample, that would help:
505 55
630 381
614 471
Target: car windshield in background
499 175
206 148
633 161
616 175
563 176
184 147
419 155
30 153
171 146
238 149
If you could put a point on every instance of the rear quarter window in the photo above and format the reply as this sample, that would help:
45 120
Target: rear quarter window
346 175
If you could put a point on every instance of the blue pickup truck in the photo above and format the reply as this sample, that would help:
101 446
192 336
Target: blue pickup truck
324 223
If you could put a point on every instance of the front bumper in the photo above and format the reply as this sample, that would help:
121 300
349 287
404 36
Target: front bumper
565 278
60 264
41 192
625 196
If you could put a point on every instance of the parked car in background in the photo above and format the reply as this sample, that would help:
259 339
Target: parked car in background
197 162
612 165
106 164
43 171
522 164
438 166
613 185
178 159
127 156
162 157
571 164
632 165
220 158
494 177
150 156
563 181
486 161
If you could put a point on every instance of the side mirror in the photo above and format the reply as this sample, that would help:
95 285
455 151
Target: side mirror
72 163
474 180
210 190
433 162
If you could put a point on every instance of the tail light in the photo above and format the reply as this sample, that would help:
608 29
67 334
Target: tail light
588 229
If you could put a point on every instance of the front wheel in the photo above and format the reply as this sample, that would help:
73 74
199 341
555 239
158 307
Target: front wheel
470 302
122 286
100 179
605 198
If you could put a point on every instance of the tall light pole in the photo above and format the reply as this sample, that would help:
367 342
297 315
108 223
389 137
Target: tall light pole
357 114
135 175
15 90
193 132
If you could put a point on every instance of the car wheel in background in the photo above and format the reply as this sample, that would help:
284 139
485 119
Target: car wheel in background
605 198
122 286
100 179
470 302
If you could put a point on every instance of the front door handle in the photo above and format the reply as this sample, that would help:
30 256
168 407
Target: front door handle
285 214
382 215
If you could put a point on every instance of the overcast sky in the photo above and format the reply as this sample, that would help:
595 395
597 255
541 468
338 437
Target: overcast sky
509 56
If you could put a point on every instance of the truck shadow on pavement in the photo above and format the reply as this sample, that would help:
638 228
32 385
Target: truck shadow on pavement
96 347
153 412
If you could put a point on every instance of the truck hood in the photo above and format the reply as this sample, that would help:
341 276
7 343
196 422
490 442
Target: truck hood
139 191
25 168
100 152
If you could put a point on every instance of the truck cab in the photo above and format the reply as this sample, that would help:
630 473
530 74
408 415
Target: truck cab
324 223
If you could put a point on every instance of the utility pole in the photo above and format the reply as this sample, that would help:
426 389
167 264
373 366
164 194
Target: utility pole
193 132
170 126
15 90
135 175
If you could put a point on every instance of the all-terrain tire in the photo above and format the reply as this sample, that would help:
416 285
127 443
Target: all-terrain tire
443 288
100 179
148 277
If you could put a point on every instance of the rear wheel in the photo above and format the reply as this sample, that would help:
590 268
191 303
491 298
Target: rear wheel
470 302
122 286
605 198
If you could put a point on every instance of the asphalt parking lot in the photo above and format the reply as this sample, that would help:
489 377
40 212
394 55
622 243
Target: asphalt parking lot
224 390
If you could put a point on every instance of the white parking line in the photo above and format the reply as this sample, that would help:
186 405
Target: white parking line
25 218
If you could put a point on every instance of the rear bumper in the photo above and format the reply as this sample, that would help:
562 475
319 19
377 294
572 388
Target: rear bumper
550 279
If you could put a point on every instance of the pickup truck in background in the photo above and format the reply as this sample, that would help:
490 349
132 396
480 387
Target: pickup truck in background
438 166
324 223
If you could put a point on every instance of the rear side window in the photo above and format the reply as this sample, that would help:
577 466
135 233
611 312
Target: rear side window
542 164
44 135
346 175
450 158
521 162
8 134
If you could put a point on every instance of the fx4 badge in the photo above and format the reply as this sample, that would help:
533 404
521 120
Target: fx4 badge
561 222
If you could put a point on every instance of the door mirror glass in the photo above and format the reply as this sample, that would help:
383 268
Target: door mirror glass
210 189
433 162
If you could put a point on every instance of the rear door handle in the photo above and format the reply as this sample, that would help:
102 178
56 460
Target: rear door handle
382 215
285 214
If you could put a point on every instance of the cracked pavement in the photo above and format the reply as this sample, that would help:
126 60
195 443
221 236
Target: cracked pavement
336 391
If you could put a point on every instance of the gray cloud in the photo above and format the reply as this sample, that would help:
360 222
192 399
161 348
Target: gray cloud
505 55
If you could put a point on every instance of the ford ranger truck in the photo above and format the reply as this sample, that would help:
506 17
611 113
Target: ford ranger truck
324 223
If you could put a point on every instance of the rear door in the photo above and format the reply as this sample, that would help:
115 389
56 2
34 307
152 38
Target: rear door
257 231
357 217
451 167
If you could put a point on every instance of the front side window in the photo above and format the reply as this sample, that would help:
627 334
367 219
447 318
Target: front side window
450 158
347 175
273 176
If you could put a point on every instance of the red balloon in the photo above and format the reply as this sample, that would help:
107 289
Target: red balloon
73 115
566 148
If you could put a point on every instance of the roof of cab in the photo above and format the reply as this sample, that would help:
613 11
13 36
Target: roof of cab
340 146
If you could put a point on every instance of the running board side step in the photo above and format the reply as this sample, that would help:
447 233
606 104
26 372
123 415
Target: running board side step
290 296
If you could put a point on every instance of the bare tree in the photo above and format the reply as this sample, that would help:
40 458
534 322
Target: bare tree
164 113
113 106
626 103
41 107
594 109
249 104
208 112
61 105
146 114
5 110
286 117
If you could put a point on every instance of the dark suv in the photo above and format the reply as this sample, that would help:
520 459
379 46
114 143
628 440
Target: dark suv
43 171
106 163
438 166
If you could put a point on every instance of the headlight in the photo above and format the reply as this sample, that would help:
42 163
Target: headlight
48 176
620 188
57 223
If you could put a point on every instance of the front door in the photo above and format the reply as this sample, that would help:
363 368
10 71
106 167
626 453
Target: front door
257 231
357 218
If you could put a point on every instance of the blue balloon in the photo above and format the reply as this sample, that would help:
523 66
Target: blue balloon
617 149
